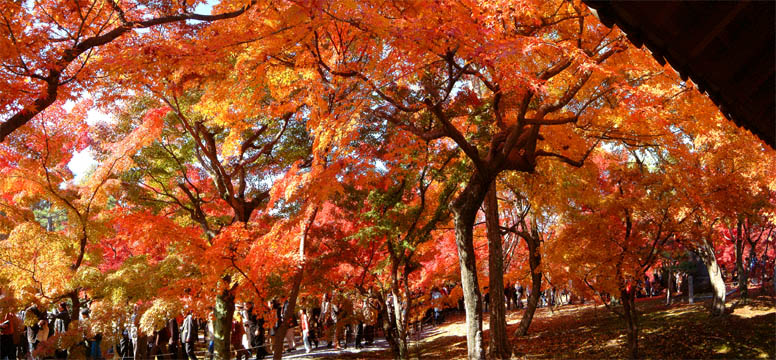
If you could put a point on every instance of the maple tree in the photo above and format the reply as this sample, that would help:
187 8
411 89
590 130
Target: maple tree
404 216
35 169
282 149
623 224
443 64
531 214
49 47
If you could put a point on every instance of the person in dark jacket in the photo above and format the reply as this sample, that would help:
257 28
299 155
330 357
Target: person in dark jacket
61 322
175 338
161 339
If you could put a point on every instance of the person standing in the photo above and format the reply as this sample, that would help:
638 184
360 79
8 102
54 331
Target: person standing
161 339
435 296
359 322
189 336
305 325
250 323
34 316
210 335
42 334
370 318
289 336
336 325
315 327
275 305
139 338
61 322
175 338
7 331
325 319
236 339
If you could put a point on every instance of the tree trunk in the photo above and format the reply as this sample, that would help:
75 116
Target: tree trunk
280 334
690 290
76 311
277 340
389 328
631 320
499 345
465 209
715 276
742 274
750 271
400 317
534 260
222 326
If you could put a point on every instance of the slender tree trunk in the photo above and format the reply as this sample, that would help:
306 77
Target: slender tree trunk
750 272
465 209
631 320
690 290
669 285
280 334
399 317
709 258
534 260
742 274
277 340
499 345
222 326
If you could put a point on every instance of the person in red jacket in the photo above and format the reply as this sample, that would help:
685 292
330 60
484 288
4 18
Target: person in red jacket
305 324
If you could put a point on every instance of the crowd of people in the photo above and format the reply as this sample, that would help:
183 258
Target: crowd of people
333 321
22 333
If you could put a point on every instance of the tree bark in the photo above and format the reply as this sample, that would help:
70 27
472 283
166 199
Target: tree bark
76 311
715 276
280 334
743 280
690 290
465 209
631 320
399 316
534 260
389 328
499 345
222 326
277 341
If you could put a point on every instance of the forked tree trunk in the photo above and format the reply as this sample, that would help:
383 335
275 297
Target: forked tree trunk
534 260
465 209
499 345
389 328
222 325
709 258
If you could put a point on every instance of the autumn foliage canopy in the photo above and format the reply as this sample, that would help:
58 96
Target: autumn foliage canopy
257 149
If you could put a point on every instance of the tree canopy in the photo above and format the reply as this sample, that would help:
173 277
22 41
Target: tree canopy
284 149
